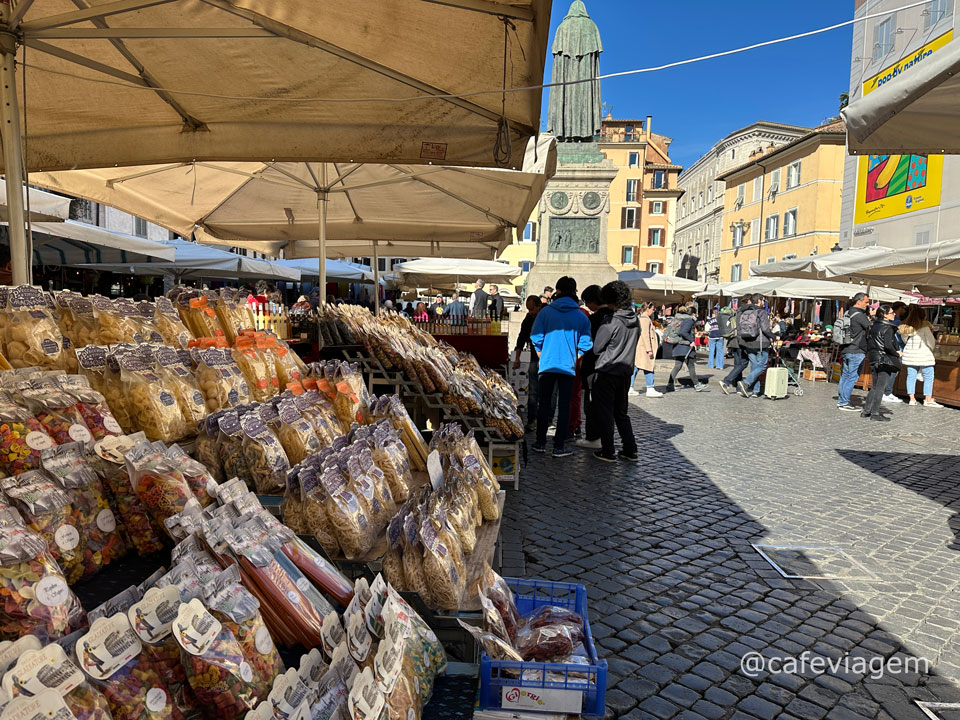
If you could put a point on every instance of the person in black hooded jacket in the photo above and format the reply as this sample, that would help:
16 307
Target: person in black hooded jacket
615 347
884 353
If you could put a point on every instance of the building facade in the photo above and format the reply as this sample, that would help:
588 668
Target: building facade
695 252
643 194
898 200
784 203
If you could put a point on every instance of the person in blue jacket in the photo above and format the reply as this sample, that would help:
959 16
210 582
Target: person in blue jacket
561 334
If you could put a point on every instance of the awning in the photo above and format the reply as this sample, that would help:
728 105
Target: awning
447 272
919 113
74 243
663 288
337 270
194 260
808 289
824 267
44 206
404 209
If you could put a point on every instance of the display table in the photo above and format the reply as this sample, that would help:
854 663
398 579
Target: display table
491 351
946 383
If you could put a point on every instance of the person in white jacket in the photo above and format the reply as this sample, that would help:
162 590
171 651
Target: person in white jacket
918 354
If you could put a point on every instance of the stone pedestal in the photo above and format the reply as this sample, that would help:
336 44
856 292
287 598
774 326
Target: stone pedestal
574 213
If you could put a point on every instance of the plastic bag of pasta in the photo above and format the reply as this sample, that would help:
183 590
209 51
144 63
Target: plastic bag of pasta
46 509
324 423
35 595
351 401
32 336
296 434
391 457
144 534
51 670
239 611
84 329
201 317
286 364
486 490
264 460
323 574
395 671
152 619
169 325
153 407
112 655
441 571
57 411
424 657
158 482
214 379
92 515
92 405
114 391
206 447
316 517
178 378
22 438
351 522
92 363
254 369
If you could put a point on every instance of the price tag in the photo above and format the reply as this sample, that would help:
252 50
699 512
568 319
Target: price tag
435 470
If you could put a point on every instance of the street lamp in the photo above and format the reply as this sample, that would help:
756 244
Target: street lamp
741 226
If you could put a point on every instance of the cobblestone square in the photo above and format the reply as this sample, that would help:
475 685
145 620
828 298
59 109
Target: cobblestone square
679 596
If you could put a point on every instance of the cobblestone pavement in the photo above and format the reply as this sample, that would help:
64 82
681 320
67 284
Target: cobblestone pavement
679 595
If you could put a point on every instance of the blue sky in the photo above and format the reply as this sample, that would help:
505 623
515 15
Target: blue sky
797 82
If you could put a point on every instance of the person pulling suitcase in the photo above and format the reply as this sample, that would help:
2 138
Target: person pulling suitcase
756 337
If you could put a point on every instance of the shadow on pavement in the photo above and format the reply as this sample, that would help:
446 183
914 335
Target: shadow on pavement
678 595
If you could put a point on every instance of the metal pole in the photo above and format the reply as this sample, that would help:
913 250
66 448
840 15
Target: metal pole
322 249
376 279
13 158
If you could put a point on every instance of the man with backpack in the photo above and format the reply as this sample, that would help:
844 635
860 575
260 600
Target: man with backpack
850 332
728 321
754 333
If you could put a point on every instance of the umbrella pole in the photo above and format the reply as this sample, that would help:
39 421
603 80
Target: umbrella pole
13 159
376 279
322 249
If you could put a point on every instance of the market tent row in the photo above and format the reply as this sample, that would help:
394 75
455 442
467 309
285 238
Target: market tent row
656 287
194 261
932 269
337 270
917 114
283 80
77 244
803 289
437 272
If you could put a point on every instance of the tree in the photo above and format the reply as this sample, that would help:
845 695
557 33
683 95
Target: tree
844 100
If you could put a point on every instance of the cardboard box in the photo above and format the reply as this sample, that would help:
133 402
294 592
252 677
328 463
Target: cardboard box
814 375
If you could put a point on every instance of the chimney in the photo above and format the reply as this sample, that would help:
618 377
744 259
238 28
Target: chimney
649 124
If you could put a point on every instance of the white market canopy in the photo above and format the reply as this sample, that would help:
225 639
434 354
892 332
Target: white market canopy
194 260
655 287
919 113
396 210
337 270
44 206
446 272
805 289
75 243
839 265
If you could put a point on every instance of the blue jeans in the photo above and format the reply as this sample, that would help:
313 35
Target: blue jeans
927 372
715 353
848 378
634 376
758 363
648 378
889 389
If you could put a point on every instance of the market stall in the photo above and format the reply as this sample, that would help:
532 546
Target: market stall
655 287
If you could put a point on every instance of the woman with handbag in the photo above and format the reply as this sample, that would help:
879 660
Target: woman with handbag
918 354
884 353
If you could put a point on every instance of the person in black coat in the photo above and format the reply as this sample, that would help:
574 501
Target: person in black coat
884 352
684 352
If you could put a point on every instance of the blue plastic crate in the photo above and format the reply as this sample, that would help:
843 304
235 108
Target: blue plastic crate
590 680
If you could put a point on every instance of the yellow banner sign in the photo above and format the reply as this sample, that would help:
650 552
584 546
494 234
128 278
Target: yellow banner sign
906 64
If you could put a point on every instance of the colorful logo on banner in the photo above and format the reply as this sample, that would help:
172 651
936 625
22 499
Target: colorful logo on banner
892 185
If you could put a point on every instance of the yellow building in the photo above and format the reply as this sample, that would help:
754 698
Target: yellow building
522 252
783 203
642 195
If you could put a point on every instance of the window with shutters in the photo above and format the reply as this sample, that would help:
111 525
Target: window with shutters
631 191
757 188
139 227
936 11
629 218
775 181
883 35
741 193
790 223
659 179
755 230
655 236
530 232
653 267
772 228
737 236
627 255
771 259
709 194
793 175
526 265
657 207
735 272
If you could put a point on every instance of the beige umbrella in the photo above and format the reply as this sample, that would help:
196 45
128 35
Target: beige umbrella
128 82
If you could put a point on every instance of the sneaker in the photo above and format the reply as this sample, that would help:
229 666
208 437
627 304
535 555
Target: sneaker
574 434
632 457
848 408
588 444
892 399
932 404
879 418
702 387
653 392
669 388
562 451
599 455
539 448
865 415
753 396
633 393
724 387
913 402
742 389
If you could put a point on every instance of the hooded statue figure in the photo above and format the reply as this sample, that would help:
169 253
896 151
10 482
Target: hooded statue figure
574 111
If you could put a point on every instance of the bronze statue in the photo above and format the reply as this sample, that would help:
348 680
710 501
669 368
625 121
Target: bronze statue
574 111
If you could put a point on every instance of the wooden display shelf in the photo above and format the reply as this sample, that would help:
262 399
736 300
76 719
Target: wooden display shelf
946 383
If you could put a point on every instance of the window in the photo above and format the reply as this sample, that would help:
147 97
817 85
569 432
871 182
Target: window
629 219
525 265
753 264
683 209
655 236
631 191
700 201
755 230
741 193
735 272
737 236
936 11
634 160
733 154
659 179
773 225
757 188
790 223
771 259
139 227
529 232
657 207
883 38
653 267
922 237
626 255
793 175
382 264
775 181
709 194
